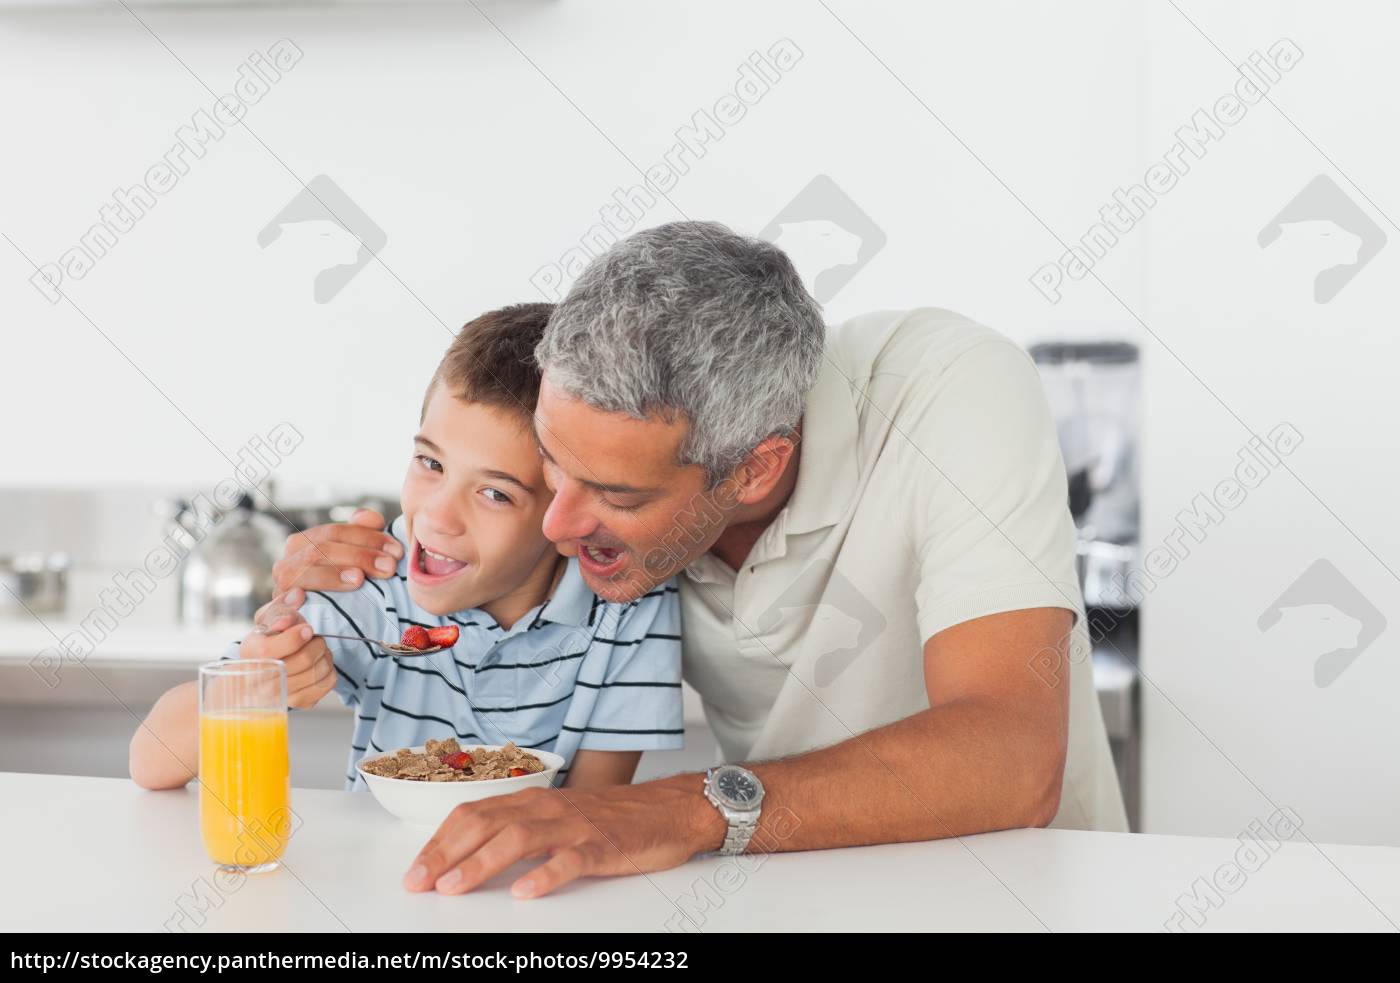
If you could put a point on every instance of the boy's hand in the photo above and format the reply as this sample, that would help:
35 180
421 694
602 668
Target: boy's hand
338 555
283 634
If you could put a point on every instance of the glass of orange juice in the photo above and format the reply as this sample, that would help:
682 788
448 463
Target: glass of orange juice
244 783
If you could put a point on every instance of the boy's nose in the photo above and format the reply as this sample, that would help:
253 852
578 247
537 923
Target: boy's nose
566 518
443 515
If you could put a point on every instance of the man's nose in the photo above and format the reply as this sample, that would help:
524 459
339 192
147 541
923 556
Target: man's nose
566 518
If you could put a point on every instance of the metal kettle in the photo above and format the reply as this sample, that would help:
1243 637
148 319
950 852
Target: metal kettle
227 575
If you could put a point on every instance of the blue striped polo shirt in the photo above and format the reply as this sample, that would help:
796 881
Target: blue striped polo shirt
576 672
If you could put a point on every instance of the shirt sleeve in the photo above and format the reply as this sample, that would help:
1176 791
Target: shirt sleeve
639 705
991 525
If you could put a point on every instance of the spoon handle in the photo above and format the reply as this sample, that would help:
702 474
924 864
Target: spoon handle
384 645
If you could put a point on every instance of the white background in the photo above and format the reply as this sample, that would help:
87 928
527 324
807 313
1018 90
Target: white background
485 153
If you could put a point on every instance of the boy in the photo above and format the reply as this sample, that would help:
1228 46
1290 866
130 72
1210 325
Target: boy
540 660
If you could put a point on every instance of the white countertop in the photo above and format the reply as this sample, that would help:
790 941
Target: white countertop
133 642
107 856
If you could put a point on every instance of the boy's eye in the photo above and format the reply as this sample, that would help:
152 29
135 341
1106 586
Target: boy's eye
427 462
496 495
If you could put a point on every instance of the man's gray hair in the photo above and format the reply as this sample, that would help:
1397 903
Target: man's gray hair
691 319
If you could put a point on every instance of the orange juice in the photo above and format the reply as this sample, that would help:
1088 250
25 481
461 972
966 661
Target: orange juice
244 809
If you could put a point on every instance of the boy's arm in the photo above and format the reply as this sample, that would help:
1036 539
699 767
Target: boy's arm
164 751
591 769
165 748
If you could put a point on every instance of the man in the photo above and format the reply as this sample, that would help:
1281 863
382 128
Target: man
880 609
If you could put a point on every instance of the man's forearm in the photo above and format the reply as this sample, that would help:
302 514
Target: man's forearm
964 767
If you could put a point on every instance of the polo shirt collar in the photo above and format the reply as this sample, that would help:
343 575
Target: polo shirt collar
827 470
572 602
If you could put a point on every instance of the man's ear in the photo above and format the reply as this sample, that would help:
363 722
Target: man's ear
764 467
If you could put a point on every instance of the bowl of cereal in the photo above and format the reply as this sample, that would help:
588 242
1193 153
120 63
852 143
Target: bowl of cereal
421 785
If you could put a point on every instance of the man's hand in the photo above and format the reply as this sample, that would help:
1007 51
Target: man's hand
338 555
621 829
283 634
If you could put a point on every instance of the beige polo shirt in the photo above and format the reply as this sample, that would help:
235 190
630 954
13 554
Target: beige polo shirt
930 491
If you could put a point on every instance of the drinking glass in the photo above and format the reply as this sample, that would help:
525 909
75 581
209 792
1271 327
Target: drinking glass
244 799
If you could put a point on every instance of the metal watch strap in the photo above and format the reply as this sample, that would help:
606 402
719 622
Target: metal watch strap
736 838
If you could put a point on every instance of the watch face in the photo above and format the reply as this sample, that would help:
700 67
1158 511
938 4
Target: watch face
738 787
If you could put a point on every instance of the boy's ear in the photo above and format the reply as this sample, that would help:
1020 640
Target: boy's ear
765 465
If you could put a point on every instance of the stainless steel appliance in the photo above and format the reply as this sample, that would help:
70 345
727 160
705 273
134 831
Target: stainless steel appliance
33 583
1093 389
227 574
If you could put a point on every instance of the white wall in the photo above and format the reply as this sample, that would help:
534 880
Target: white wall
1235 722
480 169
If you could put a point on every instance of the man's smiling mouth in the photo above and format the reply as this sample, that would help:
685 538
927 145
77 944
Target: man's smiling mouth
601 561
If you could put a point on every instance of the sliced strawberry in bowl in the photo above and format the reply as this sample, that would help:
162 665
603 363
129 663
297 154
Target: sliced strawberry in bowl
446 636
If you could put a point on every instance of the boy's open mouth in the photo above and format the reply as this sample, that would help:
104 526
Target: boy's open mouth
432 565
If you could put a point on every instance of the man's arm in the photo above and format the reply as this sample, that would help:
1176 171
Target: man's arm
988 754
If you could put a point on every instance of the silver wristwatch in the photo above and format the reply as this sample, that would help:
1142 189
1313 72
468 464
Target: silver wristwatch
738 795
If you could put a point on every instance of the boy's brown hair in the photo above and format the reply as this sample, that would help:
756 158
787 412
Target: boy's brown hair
492 360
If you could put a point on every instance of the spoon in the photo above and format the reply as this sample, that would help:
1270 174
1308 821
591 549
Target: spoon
391 648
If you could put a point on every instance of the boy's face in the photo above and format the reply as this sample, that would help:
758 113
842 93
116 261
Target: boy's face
474 500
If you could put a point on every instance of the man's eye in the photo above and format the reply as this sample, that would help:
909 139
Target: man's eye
496 495
623 508
427 462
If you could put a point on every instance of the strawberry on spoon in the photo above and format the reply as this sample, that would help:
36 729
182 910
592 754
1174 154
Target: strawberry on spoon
416 636
446 636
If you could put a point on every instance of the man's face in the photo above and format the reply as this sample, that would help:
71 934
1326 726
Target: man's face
622 505
473 500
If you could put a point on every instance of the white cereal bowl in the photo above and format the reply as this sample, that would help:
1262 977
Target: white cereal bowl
428 803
